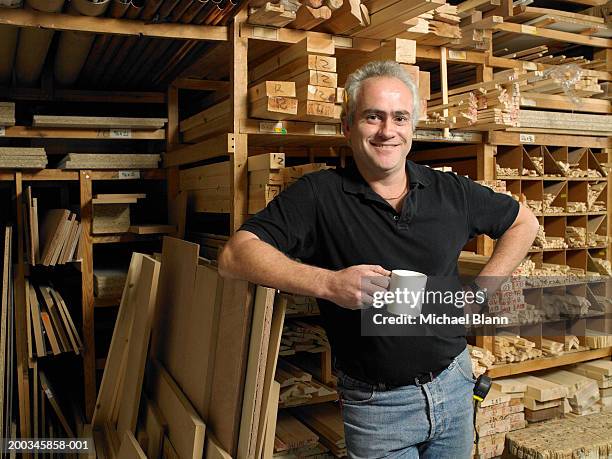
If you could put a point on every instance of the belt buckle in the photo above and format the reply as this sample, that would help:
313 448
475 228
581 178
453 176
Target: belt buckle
418 382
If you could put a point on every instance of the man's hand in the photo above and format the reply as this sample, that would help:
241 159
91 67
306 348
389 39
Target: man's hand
354 287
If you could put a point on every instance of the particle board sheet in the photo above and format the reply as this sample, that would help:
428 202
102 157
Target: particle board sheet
186 430
98 122
22 157
7 113
109 161
110 218
584 436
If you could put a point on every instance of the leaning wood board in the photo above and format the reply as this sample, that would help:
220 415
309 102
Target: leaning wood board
186 429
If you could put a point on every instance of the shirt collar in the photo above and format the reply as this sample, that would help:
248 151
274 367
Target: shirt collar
353 182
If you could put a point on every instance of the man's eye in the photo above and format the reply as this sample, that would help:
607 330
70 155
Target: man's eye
402 119
372 117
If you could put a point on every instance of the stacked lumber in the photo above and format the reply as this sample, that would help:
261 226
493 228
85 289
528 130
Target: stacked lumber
564 438
301 336
604 267
266 179
438 27
23 158
111 212
582 392
109 161
513 348
481 106
325 420
564 123
530 315
51 329
273 100
500 412
596 339
543 399
506 171
298 305
499 186
311 66
292 437
109 283
7 114
552 348
482 359
207 187
312 13
273 13
297 387
601 372
348 16
575 236
595 191
97 122
60 235
574 207
390 19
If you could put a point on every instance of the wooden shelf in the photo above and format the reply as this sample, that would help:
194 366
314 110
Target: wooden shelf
63 174
29 132
509 369
121 238
545 177
106 302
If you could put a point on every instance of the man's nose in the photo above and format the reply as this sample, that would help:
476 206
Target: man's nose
387 129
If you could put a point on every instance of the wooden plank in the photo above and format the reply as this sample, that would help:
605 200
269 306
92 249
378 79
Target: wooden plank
55 346
186 429
130 449
213 449
97 122
267 161
144 297
271 415
566 37
154 426
67 320
152 229
74 133
51 397
41 350
276 331
105 25
4 305
221 145
256 372
113 369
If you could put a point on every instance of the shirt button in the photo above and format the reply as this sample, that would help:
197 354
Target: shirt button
396 217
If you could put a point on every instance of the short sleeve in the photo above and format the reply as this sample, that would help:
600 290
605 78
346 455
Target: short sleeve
288 222
489 212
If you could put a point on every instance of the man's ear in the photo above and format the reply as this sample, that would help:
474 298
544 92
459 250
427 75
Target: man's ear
345 128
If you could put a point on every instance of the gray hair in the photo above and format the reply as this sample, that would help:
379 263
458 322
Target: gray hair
390 69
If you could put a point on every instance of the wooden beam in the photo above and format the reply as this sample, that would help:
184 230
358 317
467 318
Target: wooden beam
221 145
74 95
558 35
516 138
69 133
201 85
112 26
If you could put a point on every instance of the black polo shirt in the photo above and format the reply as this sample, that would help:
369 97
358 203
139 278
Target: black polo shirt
333 219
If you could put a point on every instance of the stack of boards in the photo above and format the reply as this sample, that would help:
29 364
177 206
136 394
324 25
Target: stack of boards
60 234
111 212
298 386
109 161
23 158
294 439
51 329
325 420
7 114
109 283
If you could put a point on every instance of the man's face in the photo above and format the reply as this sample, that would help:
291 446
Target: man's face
381 131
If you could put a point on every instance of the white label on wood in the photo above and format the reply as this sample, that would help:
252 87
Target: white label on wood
325 129
271 127
129 174
265 32
342 42
120 133
526 138
2 131
460 55
531 30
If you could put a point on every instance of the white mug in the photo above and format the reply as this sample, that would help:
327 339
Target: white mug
411 285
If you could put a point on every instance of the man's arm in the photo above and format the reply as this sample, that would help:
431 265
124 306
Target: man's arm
245 256
510 250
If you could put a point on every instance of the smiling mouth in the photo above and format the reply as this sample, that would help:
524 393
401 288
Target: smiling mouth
383 145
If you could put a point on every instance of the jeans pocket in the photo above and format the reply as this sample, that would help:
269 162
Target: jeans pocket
354 395
464 365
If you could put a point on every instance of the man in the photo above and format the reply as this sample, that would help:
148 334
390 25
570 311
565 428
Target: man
402 396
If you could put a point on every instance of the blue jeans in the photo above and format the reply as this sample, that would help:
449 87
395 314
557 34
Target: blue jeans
434 420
